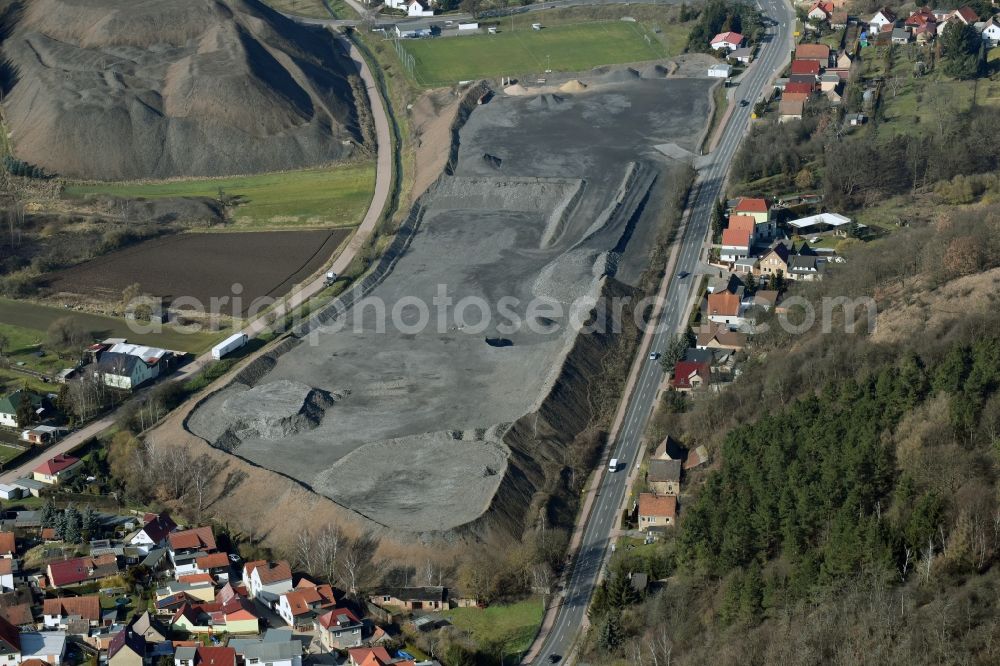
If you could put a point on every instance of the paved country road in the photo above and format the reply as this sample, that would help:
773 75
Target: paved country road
383 185
558 640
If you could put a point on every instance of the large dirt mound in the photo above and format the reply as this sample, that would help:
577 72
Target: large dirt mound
121 89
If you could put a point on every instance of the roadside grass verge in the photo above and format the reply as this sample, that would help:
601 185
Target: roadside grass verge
335 196
514 625
29 322
563 48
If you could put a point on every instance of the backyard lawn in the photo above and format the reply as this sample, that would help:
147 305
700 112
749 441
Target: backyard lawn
514 624
336 196
518 52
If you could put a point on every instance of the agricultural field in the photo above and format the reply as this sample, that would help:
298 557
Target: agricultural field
25 324
204 266
315 198
518 52
513 625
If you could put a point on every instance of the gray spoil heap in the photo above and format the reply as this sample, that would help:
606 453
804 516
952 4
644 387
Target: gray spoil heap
117 90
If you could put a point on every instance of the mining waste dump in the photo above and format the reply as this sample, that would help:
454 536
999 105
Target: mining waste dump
415 429
126 89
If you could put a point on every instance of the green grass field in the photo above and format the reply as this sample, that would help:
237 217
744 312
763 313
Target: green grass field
564 48
313 8
26 325
322 197
515 624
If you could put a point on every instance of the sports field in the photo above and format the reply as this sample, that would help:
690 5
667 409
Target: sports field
561 48
335 196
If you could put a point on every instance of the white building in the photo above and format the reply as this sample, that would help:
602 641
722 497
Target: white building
49 646
720 71
267 581
881 18
991 33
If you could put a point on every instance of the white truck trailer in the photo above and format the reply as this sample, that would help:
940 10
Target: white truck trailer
229 345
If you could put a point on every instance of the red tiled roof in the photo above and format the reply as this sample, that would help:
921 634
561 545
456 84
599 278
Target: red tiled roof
196 578
332 618
216 656
18 614
6 566
724 303
684 371
88 607
270 572
818 52
798 87
213 561
731 37
7 543
376 656
662 506
745 223
303 599
195 538
57 464
805 67
49 534
79 569
967 14
751 205
735 238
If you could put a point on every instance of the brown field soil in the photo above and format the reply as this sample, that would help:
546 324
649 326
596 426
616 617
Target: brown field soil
205 265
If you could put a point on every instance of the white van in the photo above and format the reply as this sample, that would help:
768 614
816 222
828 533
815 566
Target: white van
613 465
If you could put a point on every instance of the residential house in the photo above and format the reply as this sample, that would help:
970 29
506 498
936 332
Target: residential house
664 477
339 629
690 375
839 19
730 41
128 366
720 70
8 545
302 605
829 82
15 607
806 267
725 308
200 589
991 32
900 36
758 209
820 11
881 18
656 511
966 15
10 643
153 533
844 60
128 648
149 628
818 53
809 68
47 646
431 598
7 568
277 647
368 656
10 403
735 244
744 54
81 569
266 581
230 614
215 565
204 656
766 299
718 336
799 88
417 8
57 469
57 613
775 262
186 546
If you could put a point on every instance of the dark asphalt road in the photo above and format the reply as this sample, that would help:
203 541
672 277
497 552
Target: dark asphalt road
708 188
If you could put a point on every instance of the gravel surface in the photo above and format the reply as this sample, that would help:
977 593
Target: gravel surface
388 448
